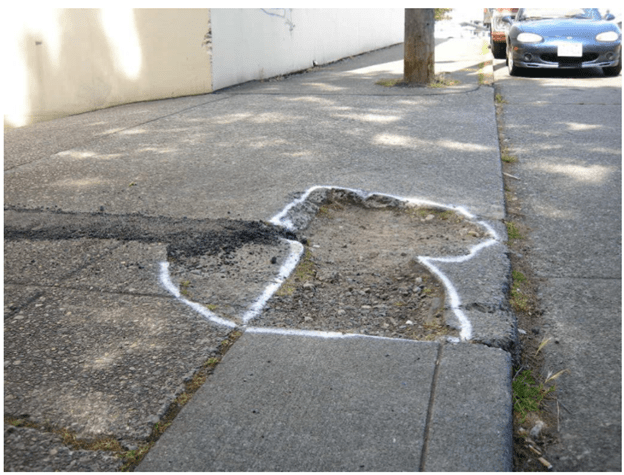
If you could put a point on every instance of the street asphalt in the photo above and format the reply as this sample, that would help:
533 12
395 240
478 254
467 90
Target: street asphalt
565 128
123 182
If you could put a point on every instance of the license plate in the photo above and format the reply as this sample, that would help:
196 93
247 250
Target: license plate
570 50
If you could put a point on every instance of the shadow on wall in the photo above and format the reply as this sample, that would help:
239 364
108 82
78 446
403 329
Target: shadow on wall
67 61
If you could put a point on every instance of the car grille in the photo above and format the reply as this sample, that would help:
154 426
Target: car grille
553 58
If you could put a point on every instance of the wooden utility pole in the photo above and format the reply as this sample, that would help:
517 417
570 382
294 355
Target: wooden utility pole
419 54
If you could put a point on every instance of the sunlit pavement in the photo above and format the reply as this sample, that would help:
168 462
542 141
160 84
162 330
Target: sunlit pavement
245 153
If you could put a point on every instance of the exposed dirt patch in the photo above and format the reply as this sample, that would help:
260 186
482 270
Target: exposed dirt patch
360 271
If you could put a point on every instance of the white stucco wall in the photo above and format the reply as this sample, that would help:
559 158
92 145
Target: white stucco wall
258 43
61 61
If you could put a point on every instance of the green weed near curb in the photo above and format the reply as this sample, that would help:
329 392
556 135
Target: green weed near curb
528 394
518 277
512 231
507 157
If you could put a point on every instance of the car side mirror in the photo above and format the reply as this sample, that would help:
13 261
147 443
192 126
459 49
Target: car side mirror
507 19
609 17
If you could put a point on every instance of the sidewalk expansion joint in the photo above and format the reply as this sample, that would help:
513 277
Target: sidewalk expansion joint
434 382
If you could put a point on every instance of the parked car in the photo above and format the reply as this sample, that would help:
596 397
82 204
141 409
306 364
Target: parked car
563 38
493 19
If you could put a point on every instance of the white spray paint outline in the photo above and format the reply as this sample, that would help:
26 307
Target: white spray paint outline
165 280
296 250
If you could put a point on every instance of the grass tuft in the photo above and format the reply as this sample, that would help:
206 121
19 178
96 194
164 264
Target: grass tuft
389 82
528 394
512 231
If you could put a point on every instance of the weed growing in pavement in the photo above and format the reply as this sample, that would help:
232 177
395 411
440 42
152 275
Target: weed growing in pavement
481 74
485 79
518 276
446 215
133 458
512 231
518 301
499 99
528 394
506 157
325 211
305 270
184 288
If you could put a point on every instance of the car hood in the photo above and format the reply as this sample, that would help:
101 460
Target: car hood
566 27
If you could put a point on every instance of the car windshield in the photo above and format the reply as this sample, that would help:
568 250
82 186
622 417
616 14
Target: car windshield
556 13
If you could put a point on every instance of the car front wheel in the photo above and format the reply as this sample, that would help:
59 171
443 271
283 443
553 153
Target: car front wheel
613 70
511 66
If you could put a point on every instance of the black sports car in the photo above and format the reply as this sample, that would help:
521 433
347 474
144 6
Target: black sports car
563 38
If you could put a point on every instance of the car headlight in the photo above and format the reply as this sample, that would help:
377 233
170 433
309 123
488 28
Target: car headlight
607 36
529 38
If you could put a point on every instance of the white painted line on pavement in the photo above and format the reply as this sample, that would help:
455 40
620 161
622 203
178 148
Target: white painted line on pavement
316 333
165 280
296 249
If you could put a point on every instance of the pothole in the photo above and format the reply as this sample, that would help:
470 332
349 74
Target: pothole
360 271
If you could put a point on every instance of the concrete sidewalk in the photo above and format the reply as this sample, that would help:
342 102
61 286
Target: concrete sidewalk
138 182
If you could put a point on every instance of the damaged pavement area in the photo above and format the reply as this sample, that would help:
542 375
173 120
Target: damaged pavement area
96 346
93 343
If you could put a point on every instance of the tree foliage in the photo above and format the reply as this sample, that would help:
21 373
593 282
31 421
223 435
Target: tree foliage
442 13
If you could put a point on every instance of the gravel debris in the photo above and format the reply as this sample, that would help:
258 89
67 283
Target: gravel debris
360 272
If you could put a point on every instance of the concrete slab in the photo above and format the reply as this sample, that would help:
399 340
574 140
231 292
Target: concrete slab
185 162
282 403
48 262
471 427
363 142
101 363
294 403
482 284
38 141
581 323
131 268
